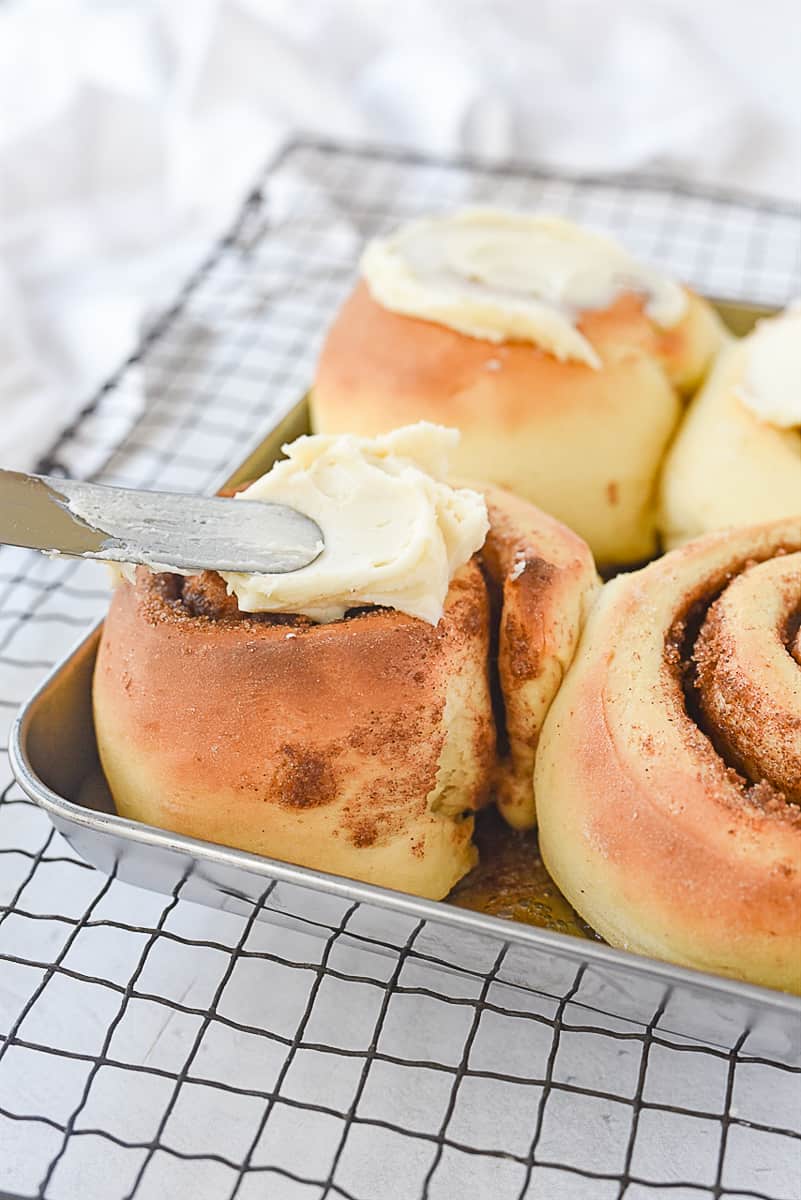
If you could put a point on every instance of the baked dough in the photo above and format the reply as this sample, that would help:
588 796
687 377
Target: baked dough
668 773
730 465
584 444
360 747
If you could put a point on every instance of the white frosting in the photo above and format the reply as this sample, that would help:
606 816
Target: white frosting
771 386
506 276
395 533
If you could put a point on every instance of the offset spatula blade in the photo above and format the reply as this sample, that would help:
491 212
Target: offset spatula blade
159 529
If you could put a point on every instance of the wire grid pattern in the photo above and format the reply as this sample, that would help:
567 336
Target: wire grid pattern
155 1048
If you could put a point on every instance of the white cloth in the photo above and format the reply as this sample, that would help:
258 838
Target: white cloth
128 132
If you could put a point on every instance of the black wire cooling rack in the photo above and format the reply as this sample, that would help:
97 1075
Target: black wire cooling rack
153 1048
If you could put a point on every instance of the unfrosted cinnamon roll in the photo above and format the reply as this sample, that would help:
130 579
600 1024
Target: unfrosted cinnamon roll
668 774
543 584
355 740
560 358
737 456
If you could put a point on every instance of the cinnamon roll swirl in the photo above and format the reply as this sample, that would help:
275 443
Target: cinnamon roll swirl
668 773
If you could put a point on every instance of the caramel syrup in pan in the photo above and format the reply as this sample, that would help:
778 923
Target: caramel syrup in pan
511 881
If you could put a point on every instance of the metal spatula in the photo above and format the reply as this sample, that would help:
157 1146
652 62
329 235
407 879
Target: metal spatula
160 529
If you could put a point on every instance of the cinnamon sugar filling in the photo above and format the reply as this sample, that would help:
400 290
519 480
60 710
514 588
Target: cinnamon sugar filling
176 598
701 651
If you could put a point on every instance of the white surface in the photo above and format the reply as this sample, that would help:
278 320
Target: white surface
237 357
129 129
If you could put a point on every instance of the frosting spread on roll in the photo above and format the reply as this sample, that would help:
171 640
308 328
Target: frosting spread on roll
395 532
771 387
507 276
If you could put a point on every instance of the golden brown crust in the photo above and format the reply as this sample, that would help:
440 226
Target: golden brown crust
653 835
546 581
326 745
359 747
585 445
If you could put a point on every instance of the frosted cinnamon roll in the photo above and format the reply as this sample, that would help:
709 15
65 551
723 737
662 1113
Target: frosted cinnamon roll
562 360
668 773
737 456
355 719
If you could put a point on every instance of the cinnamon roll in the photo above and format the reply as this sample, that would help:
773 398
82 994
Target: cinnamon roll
543 583
737 456
562 360
668 773
354 715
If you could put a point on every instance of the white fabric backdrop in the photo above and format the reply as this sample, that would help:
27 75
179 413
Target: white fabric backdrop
129 129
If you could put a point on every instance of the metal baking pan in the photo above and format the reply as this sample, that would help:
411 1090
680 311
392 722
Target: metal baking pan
54 757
